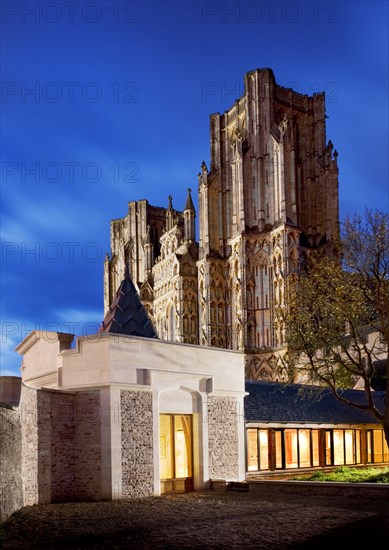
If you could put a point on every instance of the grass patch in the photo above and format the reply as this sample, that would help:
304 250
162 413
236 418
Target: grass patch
350 475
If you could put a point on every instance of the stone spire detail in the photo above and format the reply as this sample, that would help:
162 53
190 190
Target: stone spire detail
149 251
169 214
189 218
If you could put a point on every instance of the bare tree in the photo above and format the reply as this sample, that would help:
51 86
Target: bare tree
337 322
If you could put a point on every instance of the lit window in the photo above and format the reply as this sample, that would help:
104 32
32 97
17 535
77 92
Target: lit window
358 446
377 446
386 450
349 446
291 453
369 446
257 440
328 449
263 450
338 447
252 450
304 448
315 447
278 449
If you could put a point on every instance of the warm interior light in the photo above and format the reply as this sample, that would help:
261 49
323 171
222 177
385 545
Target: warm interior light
349 446
338 447
175 446
263 449
252 450
305 449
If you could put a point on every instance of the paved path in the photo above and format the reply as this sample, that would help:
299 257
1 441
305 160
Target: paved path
219 520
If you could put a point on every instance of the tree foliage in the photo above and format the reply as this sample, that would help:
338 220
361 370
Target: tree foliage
337 321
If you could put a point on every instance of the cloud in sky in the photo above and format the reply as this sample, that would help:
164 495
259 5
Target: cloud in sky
111 103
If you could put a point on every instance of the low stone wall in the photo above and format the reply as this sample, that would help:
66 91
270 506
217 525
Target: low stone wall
137 444
280 488
11 498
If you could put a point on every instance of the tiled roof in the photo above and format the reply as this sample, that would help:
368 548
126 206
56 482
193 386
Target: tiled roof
275 402
127 314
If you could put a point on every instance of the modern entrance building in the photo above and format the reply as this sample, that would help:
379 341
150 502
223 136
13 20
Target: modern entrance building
121 416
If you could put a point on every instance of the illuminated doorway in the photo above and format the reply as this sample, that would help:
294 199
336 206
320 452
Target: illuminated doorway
175 452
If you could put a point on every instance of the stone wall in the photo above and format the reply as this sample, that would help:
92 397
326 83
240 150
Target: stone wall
61 446
56 461
137 443
223 418
11 498
358 491
87 446
29 430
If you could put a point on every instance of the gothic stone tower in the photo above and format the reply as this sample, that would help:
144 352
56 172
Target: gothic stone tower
158 247
270 195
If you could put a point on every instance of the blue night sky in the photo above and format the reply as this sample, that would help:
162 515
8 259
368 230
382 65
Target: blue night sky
109 101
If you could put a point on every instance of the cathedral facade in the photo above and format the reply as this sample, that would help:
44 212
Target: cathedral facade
269 195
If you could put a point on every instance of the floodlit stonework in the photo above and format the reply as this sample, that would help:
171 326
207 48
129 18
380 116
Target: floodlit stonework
137 443
61 445
269 196
87 423
224 417
11 493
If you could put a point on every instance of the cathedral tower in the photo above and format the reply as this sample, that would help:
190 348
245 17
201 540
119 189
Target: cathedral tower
269 195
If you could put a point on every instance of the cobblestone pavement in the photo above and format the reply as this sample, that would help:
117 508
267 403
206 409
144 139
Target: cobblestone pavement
225 520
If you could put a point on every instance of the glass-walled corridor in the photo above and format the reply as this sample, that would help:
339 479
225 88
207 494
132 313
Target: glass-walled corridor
284 448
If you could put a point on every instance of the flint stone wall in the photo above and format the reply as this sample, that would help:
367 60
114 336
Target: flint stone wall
29 429
11 498
223 418
137 443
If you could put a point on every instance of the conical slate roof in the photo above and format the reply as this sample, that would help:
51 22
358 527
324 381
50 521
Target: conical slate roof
127 314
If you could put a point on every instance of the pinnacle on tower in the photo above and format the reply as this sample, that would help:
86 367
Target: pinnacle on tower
189 203
169 214
189 218
149 250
